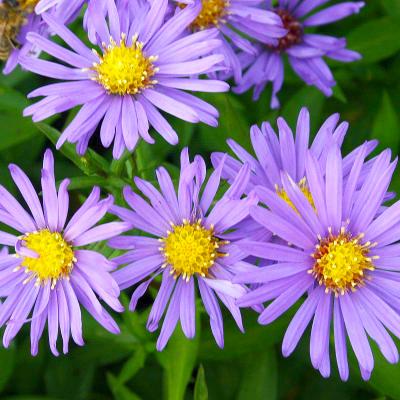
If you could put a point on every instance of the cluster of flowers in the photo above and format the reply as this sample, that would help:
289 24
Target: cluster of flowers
297 221
143 56
293 223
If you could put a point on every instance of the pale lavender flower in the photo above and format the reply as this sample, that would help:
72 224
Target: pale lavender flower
188 240
305 51
340 252
236 19
50 276
145 65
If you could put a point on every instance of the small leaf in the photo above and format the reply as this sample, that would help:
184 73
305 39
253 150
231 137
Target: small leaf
392 7
7 362
386 124
200 387
338 94
260 378
120 391
90 163
385 377
376 40
133 365
309 97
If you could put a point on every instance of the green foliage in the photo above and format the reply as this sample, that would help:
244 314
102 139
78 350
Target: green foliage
200 387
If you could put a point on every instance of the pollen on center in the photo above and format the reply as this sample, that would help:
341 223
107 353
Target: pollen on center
213 13
341 262
124 69
191 249
55 257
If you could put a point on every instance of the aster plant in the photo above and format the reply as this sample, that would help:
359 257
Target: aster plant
305 51
143 64
338 252
50 276
236 19
186 240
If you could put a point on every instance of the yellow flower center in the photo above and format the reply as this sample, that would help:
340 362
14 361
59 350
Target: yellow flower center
125 69
191 249
304 189
211 14
341 261
55 256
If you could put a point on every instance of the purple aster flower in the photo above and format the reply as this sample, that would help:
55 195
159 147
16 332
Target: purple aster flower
305 51
233 18
145 64
342 254
187 241
25 18
51 276
286 152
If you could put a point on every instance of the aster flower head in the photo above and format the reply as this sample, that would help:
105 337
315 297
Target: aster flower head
23 16
143 65
50 276
188 241
286 152
234 18
305 51
341 254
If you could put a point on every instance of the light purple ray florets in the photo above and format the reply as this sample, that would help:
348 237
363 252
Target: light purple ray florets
55 302
155 217
349 205
177 57
305 51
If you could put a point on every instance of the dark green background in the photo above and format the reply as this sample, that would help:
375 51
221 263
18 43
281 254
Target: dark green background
127 367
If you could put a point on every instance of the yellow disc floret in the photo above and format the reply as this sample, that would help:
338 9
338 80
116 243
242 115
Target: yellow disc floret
191 249
125 69
211 14
304 189
341 262
55 256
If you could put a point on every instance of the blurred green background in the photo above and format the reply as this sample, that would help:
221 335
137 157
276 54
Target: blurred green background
127 367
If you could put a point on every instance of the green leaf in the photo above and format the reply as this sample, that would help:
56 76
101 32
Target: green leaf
200 386
133 365
260 378
376 40
385 377
31 398
237 344
85 182
120 391
338 94
17 129
58 386
178 361
392 7
7 362
386 124
90 163
309 97
232 123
